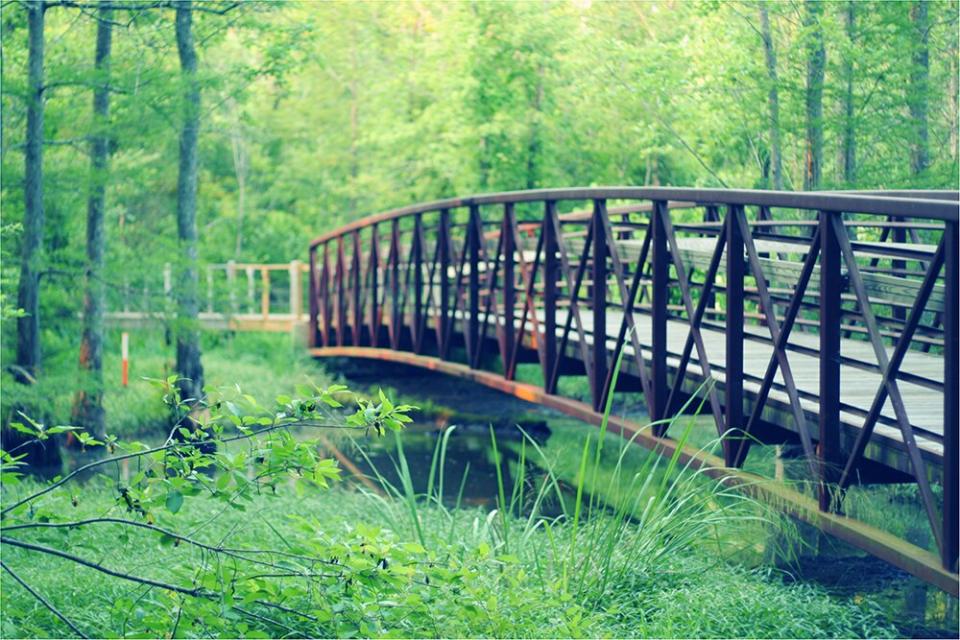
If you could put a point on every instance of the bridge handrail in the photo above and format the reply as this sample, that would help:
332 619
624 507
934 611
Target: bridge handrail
900 204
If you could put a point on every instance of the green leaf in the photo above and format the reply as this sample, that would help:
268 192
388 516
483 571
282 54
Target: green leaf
174 501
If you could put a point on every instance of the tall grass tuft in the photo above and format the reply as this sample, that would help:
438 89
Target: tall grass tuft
596 548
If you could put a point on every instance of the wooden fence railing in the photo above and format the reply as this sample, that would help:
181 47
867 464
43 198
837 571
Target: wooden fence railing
233 295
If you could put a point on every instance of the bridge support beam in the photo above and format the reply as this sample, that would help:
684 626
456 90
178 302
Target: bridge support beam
419 318
443 251
951 382
507 330
373 270
733 364
474 238
551 267
831 288
598 372
660 272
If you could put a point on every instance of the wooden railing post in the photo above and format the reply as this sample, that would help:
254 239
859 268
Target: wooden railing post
831 288
951 382
599 293
395 315
209 289
443 247
296 297
232 284
373 271
474 238
417 266
167 284
313 329
324 295
356 326
340 277
659 296
733 364
264 292
508 331
551 268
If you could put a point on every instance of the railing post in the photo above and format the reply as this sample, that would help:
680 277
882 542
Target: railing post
167 285
830 290
733 364
341 292
264 292
395 284
232 283
373 268
251 288
296 304
324 295
417 266
313 329
951 382
357 271
599 294
550 271
443 240
474 238
209 289
659 297
509 292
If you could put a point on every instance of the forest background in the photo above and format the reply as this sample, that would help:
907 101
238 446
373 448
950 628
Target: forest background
136 134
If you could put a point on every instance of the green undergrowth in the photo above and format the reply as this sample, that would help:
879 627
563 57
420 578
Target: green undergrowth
640 547
263 364
478 588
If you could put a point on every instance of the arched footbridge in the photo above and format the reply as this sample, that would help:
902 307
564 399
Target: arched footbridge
826 320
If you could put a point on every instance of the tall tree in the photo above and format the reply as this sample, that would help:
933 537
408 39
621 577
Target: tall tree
28 292
89 411
919 99
816 62
189 366
849 121
773 97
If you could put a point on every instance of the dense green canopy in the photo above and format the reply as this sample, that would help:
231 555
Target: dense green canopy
316 113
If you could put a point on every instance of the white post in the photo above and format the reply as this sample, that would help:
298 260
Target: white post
167 280
232 284
209 289
296 305
124 358
250 289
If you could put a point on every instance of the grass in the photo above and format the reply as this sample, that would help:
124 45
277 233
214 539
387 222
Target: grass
264 365
490 593
637 550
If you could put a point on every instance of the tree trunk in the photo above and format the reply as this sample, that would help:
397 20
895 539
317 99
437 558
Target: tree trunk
535 145
238 146
816 62
773 98
920 87
28 291
849 124
189 366
89 410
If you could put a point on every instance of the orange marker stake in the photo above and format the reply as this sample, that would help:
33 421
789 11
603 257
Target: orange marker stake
125 362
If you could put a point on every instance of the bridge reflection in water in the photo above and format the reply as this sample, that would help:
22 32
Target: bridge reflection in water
828 320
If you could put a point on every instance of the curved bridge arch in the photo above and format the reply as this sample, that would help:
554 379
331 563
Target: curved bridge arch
825 319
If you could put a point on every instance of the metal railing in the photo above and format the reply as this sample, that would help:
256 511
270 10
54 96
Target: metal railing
684 283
